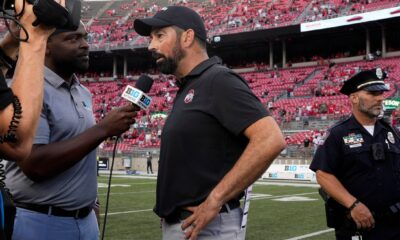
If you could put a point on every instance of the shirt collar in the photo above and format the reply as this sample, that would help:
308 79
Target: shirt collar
55 80
198 70
354 124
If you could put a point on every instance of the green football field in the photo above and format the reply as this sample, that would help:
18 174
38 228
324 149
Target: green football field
276 212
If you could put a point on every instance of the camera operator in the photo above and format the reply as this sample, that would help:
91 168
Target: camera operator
20 105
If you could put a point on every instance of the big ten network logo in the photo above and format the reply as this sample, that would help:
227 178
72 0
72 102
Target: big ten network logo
133 92
299 175
273 175
290 168
145 100
137 97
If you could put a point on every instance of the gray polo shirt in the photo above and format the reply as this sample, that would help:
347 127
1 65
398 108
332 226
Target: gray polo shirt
67 112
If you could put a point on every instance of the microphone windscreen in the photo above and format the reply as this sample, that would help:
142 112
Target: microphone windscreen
144 83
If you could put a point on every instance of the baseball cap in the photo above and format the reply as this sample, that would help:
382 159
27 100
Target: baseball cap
368 80
182 17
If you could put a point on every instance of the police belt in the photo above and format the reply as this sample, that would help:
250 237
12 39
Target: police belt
181 214
391 211
56 211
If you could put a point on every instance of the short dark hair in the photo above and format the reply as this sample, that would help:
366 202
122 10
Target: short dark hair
179 32
201 43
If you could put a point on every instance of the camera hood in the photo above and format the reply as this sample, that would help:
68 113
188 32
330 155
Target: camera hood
50 13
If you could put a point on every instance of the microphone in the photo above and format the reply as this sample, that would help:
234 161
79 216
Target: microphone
137 95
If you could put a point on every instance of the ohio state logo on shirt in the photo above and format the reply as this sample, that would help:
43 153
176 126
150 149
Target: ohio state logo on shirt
189 96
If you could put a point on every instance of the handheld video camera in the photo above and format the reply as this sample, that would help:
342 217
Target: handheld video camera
7 4
50 13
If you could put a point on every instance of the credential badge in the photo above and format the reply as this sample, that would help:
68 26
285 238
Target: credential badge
189 96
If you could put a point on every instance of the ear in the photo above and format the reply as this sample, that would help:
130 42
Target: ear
188 38
48 46
354 98
47 53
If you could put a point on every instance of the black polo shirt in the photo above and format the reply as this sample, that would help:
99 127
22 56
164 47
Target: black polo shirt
203 135
6 95
347 154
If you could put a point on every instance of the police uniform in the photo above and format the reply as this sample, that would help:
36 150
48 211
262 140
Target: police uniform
368 166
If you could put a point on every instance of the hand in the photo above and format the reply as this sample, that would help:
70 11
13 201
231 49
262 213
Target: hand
202 215
9 43
362 217
118 120
28 17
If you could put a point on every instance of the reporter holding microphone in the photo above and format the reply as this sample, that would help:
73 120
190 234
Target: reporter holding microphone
55 188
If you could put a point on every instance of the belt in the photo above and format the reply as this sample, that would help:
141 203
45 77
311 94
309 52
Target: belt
393 210
181 214
56 211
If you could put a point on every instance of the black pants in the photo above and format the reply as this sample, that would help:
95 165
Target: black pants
387 228
149 167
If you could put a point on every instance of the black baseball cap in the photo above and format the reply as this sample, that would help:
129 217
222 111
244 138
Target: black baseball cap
182 17
368 80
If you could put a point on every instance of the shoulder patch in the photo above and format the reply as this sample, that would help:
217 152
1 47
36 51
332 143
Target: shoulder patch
325 136
328 131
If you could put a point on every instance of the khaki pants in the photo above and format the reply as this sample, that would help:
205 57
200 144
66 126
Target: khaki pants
225 226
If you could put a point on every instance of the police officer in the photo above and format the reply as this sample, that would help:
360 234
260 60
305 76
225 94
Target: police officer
358 165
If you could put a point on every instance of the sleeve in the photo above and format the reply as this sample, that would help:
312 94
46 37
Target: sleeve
6 94
234 104
43 130
329 155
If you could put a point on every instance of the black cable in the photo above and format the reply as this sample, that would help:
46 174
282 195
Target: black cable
19 25
108 189
3 178
14 17
11 135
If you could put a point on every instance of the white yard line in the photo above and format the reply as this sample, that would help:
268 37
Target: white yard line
282 196
261 182
261 198
123 193
131 176
142 183
312 234
292 184
125 212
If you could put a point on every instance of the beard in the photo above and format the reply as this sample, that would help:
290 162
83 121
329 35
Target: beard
73 65
82 67
371 112
169 64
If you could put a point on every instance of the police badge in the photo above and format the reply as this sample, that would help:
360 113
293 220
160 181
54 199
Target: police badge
390 137
379 73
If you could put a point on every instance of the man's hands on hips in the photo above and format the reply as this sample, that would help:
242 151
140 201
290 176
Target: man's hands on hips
202 215
362 216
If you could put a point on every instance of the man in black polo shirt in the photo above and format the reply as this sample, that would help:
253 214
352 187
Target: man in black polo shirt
218 138
358 165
